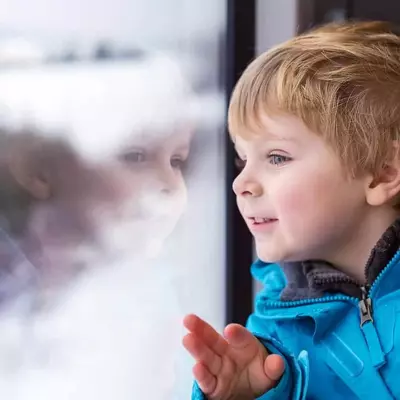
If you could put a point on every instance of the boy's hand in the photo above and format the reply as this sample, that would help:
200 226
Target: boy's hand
237 367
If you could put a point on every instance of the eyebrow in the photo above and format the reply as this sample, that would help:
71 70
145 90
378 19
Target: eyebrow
273 138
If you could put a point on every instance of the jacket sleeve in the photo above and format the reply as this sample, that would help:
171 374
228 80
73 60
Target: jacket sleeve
292 385
197 394
294 381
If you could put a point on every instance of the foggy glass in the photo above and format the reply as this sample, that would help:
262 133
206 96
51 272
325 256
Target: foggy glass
111 194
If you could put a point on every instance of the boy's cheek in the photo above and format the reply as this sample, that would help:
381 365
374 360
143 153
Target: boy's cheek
293 199
303 193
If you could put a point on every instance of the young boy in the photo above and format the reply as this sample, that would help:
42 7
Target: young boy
316 122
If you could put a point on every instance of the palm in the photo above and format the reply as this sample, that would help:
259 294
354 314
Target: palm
246 366
233 367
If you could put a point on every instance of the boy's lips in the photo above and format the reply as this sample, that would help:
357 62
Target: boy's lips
260 220
260 223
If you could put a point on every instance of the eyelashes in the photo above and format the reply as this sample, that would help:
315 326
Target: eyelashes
278 159
178 162
273 159
239 163
134 157
139 157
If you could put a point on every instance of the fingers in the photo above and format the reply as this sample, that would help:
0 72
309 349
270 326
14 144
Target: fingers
202 353
204 378
206 333
239 337
239 348
274 367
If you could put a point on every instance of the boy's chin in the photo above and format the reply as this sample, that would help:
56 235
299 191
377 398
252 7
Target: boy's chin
268 257
271 256
270 260
279 260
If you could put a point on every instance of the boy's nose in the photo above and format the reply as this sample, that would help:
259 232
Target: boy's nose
243 186
168 181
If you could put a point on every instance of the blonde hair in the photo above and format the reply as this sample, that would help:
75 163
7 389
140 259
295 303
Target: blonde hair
342 80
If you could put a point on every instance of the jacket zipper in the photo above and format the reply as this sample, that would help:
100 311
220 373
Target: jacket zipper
365 306
367 293
368 329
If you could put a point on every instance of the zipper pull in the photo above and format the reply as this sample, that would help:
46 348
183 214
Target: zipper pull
371 336
365 306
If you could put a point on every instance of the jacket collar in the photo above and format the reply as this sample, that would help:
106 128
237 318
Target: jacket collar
319 316
311 279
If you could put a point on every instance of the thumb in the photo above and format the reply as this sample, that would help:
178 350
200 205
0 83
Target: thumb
274 367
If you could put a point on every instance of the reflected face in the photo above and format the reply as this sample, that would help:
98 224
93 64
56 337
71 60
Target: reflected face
126 205
144 194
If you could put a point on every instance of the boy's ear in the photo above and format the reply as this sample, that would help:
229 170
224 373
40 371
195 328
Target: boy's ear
385 185
27 169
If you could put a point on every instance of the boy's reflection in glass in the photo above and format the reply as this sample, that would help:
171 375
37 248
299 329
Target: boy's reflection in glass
82 231
66 213
92 163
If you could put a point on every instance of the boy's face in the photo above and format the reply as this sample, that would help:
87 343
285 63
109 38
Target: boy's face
145 193
122 207
294 195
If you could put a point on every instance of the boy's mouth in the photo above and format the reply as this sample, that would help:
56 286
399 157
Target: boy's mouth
261 220
260 225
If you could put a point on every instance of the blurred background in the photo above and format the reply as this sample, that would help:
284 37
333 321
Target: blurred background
117 216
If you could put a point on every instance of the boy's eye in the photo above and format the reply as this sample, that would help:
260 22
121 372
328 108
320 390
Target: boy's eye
239 163
177 162
135 156
278 159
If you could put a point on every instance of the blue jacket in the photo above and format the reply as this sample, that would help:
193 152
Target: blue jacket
336 346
